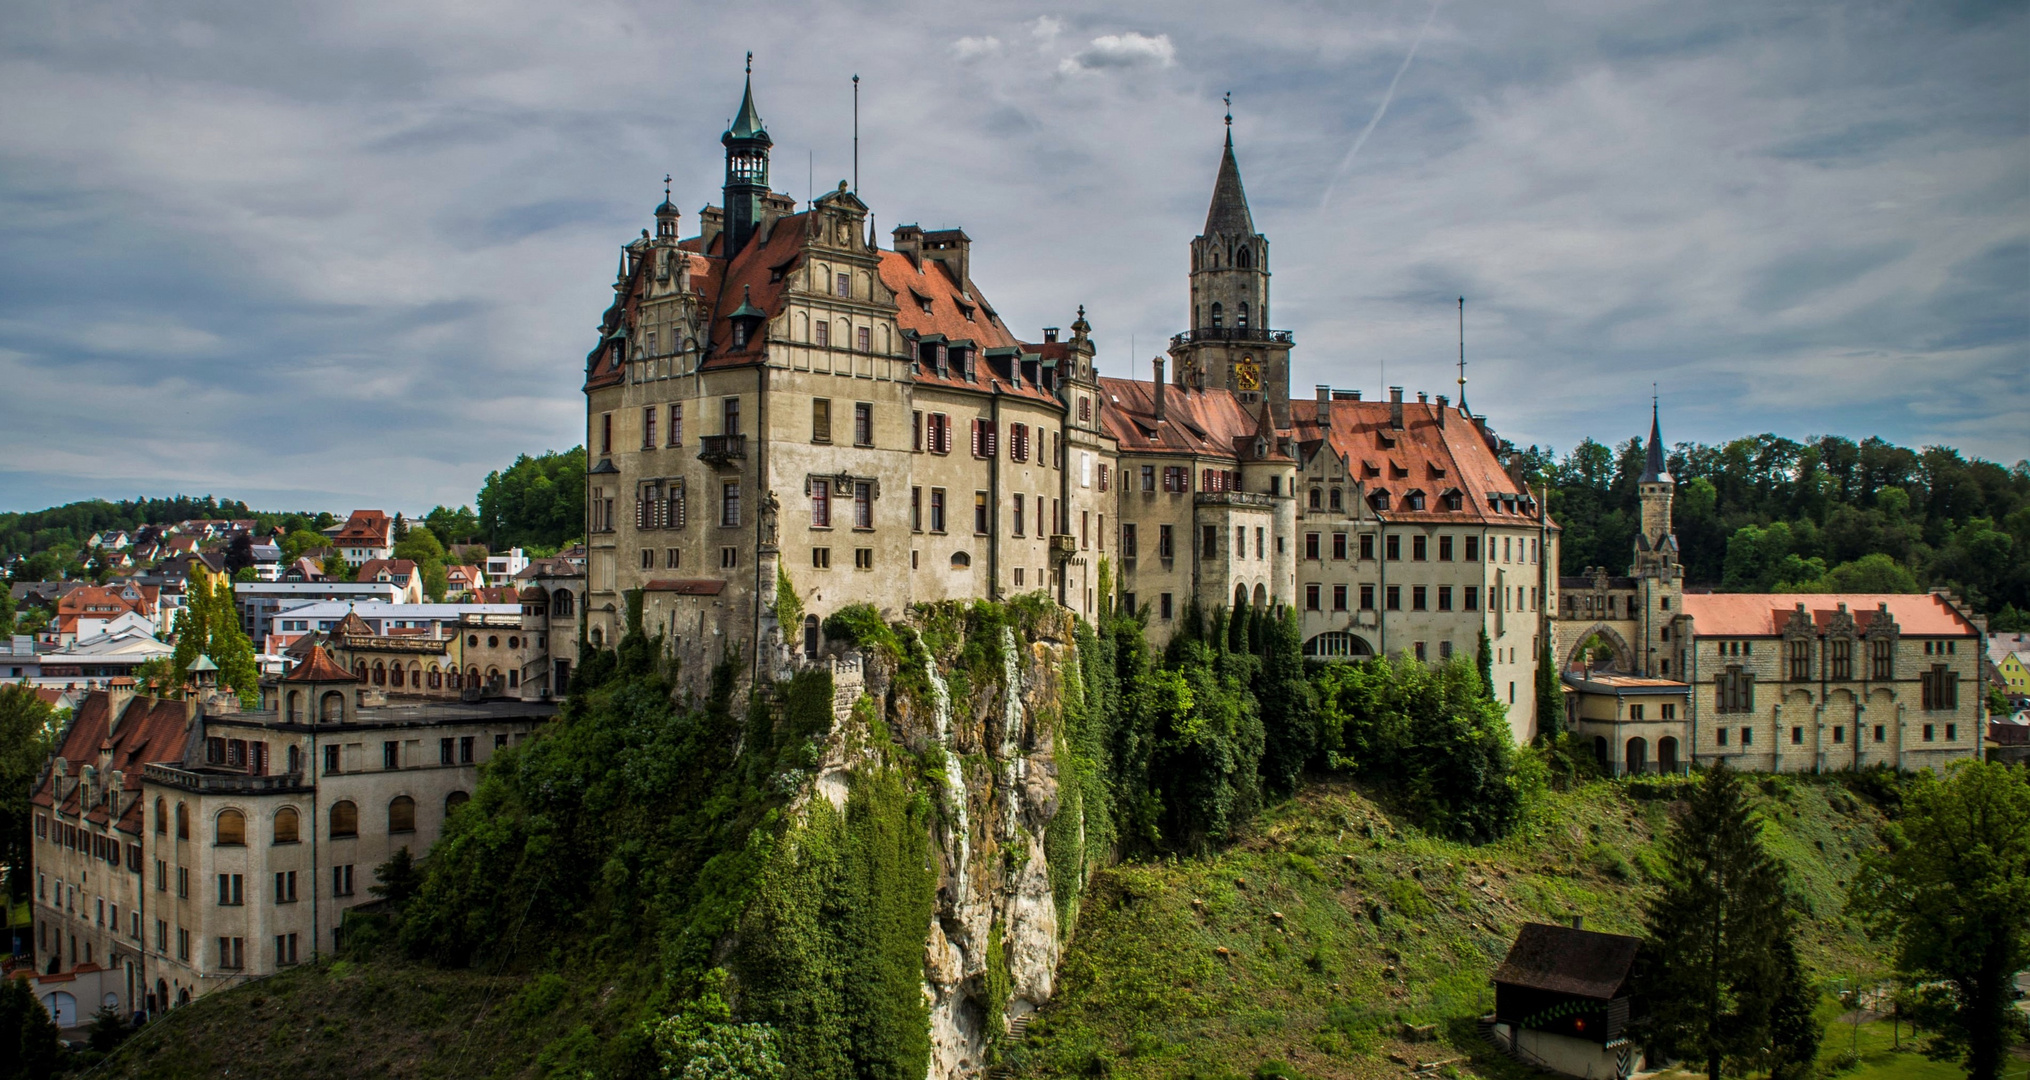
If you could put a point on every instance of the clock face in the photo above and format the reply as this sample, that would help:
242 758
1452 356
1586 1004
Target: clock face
1247 374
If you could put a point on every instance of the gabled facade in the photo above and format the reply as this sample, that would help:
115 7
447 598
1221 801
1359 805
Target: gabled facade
365 536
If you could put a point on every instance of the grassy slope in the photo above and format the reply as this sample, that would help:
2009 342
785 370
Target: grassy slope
1379 924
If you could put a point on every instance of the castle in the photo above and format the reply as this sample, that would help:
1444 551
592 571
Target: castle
778 401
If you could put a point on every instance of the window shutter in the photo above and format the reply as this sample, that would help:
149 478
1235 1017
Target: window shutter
993 434
979 438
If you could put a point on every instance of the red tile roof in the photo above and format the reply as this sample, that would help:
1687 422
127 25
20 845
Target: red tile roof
398 569
365 528
1420 456
1764 614
149 731
319 667
1208 423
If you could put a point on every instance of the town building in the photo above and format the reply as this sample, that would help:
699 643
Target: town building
1564 998
781 396
1782 682
182 846
365 536
92 610
97 660
501 567
259 601
401 573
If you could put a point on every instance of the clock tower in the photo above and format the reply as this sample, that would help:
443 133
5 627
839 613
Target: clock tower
1230 344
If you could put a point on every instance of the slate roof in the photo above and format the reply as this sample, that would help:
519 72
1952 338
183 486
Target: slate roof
1562 960
149 730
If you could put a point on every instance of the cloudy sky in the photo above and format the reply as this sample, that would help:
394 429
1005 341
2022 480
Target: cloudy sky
352 254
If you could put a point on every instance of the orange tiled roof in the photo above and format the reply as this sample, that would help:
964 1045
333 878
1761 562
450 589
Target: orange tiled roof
399 569
150 730
1205 423
319 667
1764 614
367 528
1421 456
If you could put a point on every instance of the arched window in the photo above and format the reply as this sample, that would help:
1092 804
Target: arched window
402 814
332 707
359 671
230 829
1243 260
161 817
1338 643
1242 322
472 676
455 800
1261 596
1218 315
416 676
560 602
1240 596
380 674
295 758
286 825
344 819
182 822
961 560
810 637
395 675
295 711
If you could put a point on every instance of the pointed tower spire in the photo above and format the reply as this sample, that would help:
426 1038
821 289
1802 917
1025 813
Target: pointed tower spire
1652 466
1228 215
747 123
746 187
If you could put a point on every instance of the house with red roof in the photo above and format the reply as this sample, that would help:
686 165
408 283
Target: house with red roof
92 610
401 573
366 535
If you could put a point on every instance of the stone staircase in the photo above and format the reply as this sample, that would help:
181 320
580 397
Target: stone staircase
1018 1031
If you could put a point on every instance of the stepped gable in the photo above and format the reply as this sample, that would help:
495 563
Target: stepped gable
1766 614
706 273
319 667
1565 960
149 731
1421 456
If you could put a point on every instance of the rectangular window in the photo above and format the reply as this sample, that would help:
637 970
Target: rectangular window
863 558
285 886
1881 659
648 427
1748 736
1148 478
821 558
1720 736
341 880
232 953
916 509
916 430
729 557
676 425
1473 549
729 417
445 749
285 949
1394 546
1417 598
331 759
161 936
1163 604
606 433
1240 541
183 944
821 504
821 418
183 882
1208 541
1367 598
863 339
979 513
821 334
1129 545
1796 735
1394 593
1417 547
391 755
1339 545
863 505
1339 598
1444 598
465 748
729 504
1881 733
1839 733
1018 515
1311 598
1311 545
1951 732
231 890
1840 655
937 510
1444 549
1165 546
1928 729
863 421
1469 598
1798 656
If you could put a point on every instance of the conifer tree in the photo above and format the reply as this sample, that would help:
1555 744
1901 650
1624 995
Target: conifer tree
1485 661
210 626
1712 957
1550 695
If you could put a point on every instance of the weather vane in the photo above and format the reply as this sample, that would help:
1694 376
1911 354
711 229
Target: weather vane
1229 97
750 61
666 187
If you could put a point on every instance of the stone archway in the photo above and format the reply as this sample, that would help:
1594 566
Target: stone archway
1624 656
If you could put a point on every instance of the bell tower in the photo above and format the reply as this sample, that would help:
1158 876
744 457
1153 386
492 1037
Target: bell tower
1656 548
746 188
1230 344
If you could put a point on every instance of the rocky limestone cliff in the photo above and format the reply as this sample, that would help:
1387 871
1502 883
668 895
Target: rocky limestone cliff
983 706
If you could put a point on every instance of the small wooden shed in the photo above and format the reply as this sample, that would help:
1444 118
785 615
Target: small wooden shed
1562 1000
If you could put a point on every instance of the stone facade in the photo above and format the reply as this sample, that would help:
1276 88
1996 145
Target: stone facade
1778 683
780 394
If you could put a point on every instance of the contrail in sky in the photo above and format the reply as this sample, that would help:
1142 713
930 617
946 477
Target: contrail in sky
1381 109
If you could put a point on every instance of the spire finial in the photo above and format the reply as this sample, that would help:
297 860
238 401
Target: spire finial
1462 356
1229 99
750 61
666 187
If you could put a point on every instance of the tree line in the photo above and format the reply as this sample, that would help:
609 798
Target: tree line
1767 513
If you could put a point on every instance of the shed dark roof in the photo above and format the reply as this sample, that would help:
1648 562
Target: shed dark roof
1567 961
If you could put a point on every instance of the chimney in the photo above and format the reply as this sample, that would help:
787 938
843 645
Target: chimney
908 240
1423 398
1396 407
1049 334
1443 404
1324 405
1158 362
953 248
118 693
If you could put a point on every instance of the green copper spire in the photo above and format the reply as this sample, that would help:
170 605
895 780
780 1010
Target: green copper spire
747 125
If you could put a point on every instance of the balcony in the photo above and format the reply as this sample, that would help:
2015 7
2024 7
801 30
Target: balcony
720 451
1063 545
1232 333
1234 498
236 783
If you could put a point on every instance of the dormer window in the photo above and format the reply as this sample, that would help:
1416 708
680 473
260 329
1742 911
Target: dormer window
739 333
1379 500
1413 500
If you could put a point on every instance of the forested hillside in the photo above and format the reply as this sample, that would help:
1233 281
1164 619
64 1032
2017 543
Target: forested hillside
1767 513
